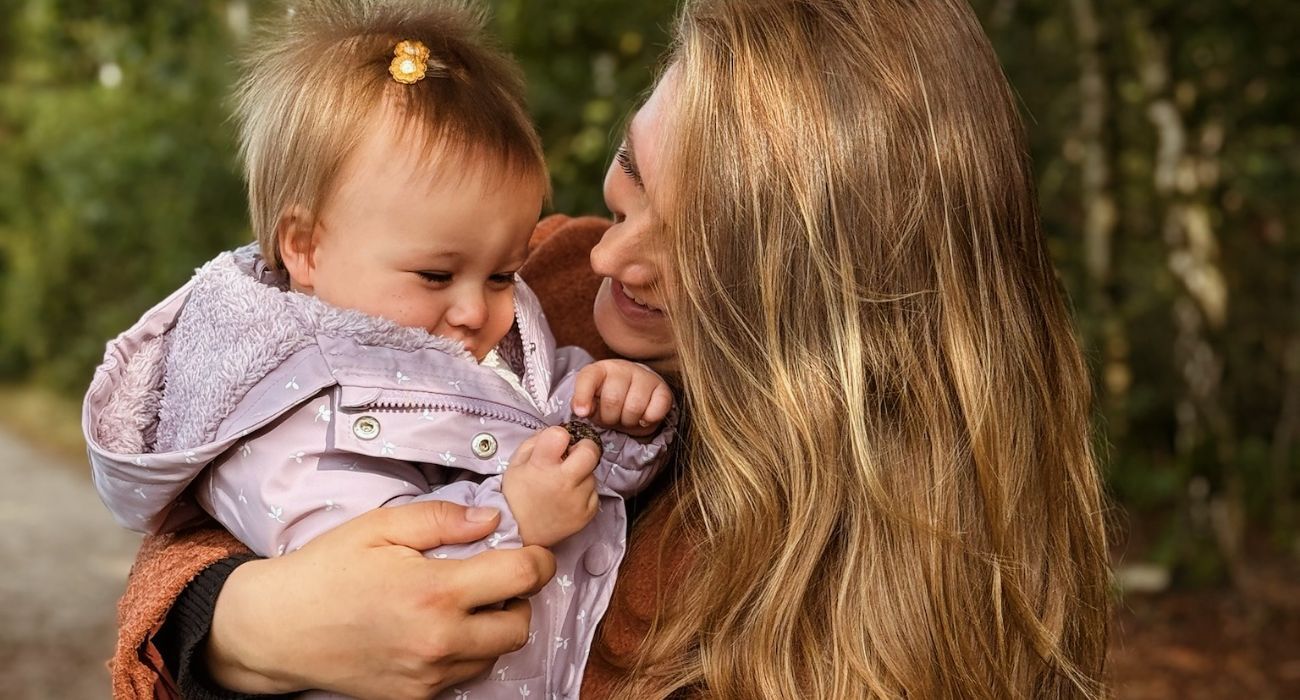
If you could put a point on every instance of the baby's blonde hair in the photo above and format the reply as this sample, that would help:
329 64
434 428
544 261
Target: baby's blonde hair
315 81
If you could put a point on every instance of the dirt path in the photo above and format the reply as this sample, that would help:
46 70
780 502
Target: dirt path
63 563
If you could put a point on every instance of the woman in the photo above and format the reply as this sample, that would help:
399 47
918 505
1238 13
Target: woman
823 216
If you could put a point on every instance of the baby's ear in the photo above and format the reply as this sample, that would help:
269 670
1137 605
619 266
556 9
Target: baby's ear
296 233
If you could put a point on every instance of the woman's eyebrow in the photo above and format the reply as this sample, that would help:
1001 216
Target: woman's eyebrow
627 159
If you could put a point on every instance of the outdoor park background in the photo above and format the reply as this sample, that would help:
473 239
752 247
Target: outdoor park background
1164 140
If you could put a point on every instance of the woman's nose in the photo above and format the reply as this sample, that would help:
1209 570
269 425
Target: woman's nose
624 256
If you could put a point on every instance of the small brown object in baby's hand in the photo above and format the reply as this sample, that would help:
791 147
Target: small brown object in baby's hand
581 430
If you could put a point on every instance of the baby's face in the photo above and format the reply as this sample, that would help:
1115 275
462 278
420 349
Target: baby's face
430 243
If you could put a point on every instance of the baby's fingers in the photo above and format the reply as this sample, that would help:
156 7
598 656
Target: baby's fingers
613 393
550 445
581 462
661 402
638 399
524 451
585 387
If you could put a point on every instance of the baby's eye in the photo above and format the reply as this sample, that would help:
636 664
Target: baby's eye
504 279
435 277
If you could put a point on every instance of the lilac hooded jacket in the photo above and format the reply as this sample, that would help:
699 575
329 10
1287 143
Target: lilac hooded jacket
283 417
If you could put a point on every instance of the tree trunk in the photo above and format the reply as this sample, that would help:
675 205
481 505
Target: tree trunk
1100 213
1186 177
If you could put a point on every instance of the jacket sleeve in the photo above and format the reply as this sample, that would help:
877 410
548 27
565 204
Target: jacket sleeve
627 464
484 494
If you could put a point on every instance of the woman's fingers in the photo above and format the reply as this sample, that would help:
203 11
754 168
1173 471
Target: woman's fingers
495 576
422 525
491 633
459 672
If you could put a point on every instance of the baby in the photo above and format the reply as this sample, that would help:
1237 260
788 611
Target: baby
376 347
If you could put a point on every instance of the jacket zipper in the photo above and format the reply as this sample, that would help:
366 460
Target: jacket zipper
474 408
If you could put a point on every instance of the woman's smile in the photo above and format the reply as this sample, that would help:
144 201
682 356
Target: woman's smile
637 305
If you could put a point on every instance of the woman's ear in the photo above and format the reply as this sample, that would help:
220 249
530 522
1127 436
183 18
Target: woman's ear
296 232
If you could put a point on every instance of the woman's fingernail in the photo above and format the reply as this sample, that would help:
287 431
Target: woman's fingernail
643 424
480 515
580 410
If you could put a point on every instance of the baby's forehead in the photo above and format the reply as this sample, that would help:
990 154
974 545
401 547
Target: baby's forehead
448 252
459 243
417 142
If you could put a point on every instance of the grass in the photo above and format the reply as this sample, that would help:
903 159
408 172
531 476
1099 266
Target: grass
44 418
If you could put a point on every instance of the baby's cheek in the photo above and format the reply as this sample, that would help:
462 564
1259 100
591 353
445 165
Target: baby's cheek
502 316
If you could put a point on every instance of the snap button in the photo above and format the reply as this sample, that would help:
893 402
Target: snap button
366 428
598 559
484 445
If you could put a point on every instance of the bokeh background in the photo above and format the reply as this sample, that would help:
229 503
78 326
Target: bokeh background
1164 134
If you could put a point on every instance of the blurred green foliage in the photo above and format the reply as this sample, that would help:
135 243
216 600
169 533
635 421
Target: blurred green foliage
1164 134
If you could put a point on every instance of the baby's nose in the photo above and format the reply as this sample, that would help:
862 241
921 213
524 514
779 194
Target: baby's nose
469 312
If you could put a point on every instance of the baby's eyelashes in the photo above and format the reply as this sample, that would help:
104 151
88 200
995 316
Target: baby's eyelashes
500 280
504 279
436 277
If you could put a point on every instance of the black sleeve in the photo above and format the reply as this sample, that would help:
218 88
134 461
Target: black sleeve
184 633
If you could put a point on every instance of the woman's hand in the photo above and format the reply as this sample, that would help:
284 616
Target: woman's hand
361 611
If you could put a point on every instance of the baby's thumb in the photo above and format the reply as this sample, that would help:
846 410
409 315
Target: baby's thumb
551 444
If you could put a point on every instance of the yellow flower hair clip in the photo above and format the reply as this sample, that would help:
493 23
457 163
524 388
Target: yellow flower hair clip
410 62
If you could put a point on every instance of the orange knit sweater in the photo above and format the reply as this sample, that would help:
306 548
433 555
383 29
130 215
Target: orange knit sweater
559 271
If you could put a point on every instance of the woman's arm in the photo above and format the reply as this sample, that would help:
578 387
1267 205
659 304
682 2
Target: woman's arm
183 637
358 611
362 612
144 661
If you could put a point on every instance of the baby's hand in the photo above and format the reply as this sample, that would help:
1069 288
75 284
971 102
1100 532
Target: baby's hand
633 399
552 495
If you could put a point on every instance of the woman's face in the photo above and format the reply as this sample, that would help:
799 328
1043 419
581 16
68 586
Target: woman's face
629 310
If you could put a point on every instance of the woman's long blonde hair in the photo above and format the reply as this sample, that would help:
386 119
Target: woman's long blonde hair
891 488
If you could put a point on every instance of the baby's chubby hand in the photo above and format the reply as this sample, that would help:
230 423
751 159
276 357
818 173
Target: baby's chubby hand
632 399
551 488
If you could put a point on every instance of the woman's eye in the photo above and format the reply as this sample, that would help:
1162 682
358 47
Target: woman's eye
504 279
624 159
435 277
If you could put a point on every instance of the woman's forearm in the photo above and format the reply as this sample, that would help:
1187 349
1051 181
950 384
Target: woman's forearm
231 658
361 611
184 637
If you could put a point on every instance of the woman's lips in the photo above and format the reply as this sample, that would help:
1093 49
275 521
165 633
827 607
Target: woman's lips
628 306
